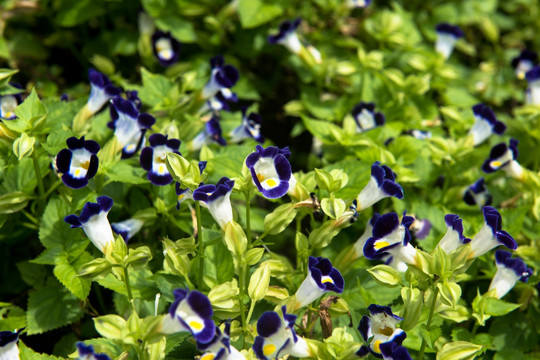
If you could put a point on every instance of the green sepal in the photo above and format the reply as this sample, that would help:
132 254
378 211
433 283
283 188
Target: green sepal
185 172
459 350
413 303
110 326
333 207
139 257
449 293
23 146
279 219
235 239
259 282
385 275
253 256
225 300
95 269
323 235
13 202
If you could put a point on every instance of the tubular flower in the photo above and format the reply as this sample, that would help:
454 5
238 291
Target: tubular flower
524 62
394 351
211 134
447 35
166 48
133 96
8 104
391 241
191 311
220 101
217 198
220 348
87 353
491 235
93 220
9 350
477 194
380 327
79 162
277 338
421 228
127 228
368 232
223 76
129 126
509 271
250 128
485 124
420 134
454 234
154 158
357 3
287 36
322 277
270 170
382 184
533 82
101 91
503 157
366 117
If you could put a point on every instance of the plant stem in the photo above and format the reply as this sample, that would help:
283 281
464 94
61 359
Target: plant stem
128 288
39 179
201 245
242 288
428 324
247 194
251 308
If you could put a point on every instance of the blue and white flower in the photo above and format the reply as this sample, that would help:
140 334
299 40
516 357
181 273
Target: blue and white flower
154 158
270 170
133 96
86 352
191 311
127 228
220 101
524 62
217 198
357 3
366 117
129 125
93 220
420 134
485 124
394 351
220 348
287 36
321 278
79 162
391 242
503 157
277 338
223 77
447 35
477 194
166 48
491 235
211 134
509 271
453 238
533 85
9 350
379 328
101 91
421 228
382 184
368 232
250 128
8 104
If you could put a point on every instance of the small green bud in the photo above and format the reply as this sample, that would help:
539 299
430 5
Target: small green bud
385 275
110 326
23 146
459 350
253 256
333 207
413 303
324 179
235 239
279 219
258 283
138 258
95 269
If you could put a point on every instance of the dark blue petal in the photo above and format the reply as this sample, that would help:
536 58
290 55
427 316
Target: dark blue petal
200 304
63 160
73 220
364 326
74 183
449 29
146 158
385 225
268 324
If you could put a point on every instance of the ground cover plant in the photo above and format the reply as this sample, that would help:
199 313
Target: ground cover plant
272 179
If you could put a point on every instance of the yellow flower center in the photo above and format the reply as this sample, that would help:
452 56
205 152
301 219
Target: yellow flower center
380 244
496 164
376 346
260 177
269 349
327 280
208 356
271 182
196 325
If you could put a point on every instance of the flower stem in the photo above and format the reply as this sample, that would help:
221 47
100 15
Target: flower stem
39 179
128 288
201 245
242 288
247 194
428 324
251 308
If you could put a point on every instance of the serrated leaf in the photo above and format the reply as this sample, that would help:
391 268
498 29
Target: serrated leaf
32 110
181 29
254 13
155 87
66 273
125 173
27 353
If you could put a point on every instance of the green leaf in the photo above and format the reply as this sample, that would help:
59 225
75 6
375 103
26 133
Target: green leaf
497 307
13 202
12 317
430 335
27 353
254 13
459 350
125 173
6 74
66 273
181 29
76 13
51 307
155 88
110 326
279 219
31 112
385 275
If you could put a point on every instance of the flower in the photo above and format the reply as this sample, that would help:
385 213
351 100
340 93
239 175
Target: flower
391 240
8 104
366 117
79 163
380 327
220 101
509 271
166 48
447 35
129 125
491 235
191 311
277 338
321 278
93 220
454 234
127 228
524 62
382 184
368 232
420 134
86 352
533 82
357 3
217 198
503 157
250 128
184 194
133 96
270 170
223 76
101 91
211 134
154 158
421 228
287 36
477 194
485 124
220 348
394 351
9 350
